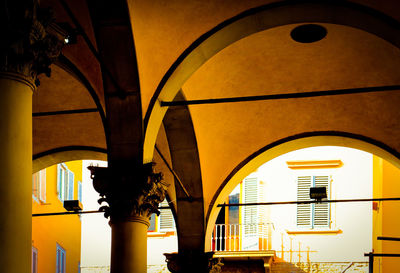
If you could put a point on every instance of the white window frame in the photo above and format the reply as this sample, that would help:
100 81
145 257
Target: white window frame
313 207
65 183
39 190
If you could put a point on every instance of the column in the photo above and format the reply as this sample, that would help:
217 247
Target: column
132 194
21 60
15 172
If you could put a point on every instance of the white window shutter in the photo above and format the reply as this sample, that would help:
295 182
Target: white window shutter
42 182
166 217
321 210
70 185
59 181
35 186
250 213
303 194
250 196
80 191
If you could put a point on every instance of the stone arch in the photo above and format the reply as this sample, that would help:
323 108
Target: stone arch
186 163
292 143
252 21
64 154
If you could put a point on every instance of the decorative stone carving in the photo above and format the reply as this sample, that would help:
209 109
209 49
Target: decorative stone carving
193 262
28 45
133 192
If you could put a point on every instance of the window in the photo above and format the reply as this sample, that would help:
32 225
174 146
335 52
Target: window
233 212
250 196
152 226
39 186
80 191
164 222
166 218
312 215
65 183
34 260
61 259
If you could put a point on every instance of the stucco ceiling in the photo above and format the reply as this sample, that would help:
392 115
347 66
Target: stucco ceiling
270 62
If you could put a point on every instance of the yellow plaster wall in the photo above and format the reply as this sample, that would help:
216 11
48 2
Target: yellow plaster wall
390 217
386 220
377 163
64 230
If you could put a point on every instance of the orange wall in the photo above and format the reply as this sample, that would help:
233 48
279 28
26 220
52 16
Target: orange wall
386 219
64 230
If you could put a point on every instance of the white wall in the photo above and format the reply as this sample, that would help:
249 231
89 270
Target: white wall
354 220
157 246
96 233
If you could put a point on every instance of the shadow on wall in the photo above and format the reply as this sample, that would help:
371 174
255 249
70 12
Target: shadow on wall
285 267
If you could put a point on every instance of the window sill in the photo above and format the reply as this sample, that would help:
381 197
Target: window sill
160 234
314 231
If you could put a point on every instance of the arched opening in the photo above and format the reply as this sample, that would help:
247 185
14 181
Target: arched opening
302 232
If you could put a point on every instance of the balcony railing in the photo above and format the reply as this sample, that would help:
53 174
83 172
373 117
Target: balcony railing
241 237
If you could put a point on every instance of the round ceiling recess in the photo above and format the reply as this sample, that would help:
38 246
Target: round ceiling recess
309 33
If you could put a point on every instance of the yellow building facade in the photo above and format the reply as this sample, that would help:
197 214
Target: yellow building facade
56 240
386 222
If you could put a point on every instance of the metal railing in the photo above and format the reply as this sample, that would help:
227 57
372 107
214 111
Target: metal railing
241 237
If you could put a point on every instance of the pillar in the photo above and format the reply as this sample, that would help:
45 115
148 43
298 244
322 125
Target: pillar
26 50
129 245
15 172
132 194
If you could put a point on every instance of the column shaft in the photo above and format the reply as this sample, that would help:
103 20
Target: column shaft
129 245
15 173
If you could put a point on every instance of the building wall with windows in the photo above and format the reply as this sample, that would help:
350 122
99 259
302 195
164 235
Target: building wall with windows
56 240
336 232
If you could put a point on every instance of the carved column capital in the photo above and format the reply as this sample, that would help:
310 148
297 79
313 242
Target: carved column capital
195 262
28 43
132 192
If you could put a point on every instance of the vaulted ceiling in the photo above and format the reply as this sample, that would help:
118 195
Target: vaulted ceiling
195 50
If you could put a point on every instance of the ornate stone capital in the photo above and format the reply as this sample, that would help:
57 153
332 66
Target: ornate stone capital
28 44
136 191
195 262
